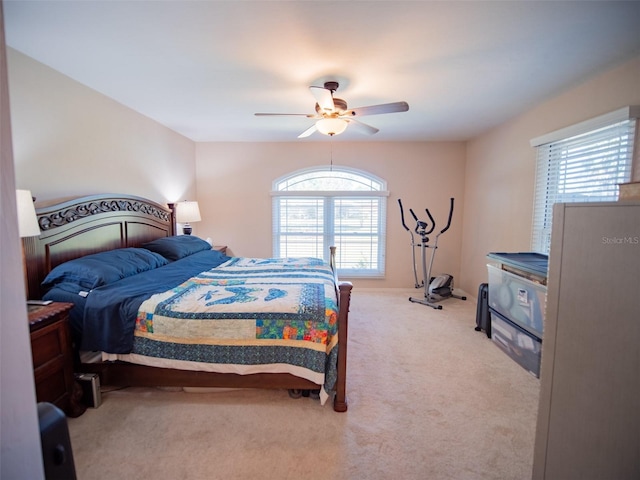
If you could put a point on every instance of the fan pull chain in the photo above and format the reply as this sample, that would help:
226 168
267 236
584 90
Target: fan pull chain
331 165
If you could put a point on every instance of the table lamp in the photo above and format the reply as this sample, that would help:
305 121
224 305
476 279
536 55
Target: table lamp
187 212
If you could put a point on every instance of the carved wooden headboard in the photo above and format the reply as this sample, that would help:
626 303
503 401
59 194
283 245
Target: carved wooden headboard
92 224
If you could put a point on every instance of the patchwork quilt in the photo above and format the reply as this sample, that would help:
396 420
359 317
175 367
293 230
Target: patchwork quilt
248 315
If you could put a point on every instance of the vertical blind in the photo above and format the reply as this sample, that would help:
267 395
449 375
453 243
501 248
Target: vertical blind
582 168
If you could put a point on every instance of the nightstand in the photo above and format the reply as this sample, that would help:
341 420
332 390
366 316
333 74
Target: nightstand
53 358
221 248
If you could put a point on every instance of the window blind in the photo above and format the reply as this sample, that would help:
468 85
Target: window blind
582 168
358 233
316 208
301 227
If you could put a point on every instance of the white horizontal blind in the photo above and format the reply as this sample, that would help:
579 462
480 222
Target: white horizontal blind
583 168
301 227
359 234
316 208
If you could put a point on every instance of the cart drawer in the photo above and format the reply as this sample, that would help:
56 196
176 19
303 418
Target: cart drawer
518 299
519 344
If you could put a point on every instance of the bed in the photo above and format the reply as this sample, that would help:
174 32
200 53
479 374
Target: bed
168 310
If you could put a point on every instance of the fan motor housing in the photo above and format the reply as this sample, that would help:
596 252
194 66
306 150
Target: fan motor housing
339 104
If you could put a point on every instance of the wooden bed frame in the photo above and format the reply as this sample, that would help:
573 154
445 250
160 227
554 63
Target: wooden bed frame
92 224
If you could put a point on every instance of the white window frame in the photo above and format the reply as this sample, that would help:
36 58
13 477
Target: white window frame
374 190
581 163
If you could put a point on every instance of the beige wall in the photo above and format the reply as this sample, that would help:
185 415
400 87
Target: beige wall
234 181
70 140
500 172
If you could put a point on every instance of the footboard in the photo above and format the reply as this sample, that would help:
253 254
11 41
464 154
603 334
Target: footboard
340 400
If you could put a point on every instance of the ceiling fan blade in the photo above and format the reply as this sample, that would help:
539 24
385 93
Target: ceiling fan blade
362 127
308 131
310 115
324 98
378 109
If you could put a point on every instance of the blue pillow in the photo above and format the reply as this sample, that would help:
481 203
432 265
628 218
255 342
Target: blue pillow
177 247
102 268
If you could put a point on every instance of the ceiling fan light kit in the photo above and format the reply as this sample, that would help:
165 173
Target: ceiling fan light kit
333 115
331 126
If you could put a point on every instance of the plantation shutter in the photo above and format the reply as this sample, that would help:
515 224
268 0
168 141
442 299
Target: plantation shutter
583 167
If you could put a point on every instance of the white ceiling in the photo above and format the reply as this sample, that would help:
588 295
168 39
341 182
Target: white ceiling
203 68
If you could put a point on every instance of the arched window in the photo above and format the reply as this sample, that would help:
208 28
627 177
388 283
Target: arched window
314 209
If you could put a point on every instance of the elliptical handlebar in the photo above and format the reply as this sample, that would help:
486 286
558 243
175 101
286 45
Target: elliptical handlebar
421 227
433 222
449 220
402 216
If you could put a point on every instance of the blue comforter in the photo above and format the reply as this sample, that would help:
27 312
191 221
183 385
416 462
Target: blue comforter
108 319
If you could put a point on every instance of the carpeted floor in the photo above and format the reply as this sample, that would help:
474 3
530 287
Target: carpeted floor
429 398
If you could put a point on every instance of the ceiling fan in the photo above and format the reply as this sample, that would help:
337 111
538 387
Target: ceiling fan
333 116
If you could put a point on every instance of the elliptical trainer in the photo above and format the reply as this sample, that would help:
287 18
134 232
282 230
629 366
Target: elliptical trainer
435 288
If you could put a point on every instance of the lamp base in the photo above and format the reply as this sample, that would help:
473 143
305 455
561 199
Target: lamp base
186 229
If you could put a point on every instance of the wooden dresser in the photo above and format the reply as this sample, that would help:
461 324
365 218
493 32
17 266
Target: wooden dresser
53 359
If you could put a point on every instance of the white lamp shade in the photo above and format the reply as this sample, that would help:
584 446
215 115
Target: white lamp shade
331 126
187 212
27 219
